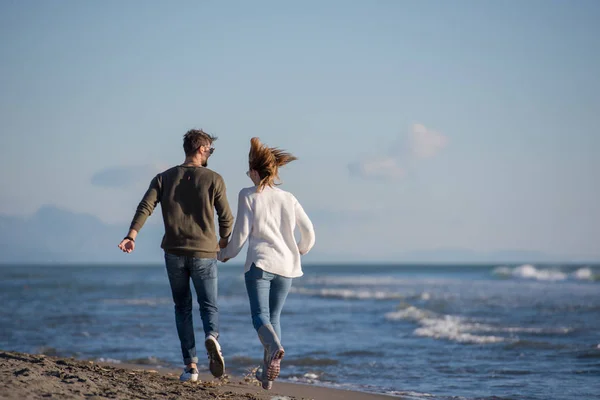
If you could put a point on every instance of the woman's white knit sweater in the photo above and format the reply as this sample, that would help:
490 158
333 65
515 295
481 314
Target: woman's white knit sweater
267 219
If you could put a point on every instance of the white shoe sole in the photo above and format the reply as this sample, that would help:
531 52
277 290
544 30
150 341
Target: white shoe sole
191 378
216 363
275 365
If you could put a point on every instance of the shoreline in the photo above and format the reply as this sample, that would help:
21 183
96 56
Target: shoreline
35 376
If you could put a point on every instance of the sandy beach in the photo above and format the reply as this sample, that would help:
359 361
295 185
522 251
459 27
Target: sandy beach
27 376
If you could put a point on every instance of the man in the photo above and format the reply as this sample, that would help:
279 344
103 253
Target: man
189 193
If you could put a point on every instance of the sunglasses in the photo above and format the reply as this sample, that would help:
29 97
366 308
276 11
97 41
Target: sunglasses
210 151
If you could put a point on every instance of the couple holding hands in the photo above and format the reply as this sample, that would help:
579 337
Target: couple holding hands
266 218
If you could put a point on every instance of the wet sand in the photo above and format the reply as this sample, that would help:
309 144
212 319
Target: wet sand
27 376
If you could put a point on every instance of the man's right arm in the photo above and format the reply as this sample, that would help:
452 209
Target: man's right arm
147 205
144 210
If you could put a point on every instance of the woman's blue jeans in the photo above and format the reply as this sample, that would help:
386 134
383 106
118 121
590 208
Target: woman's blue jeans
267 293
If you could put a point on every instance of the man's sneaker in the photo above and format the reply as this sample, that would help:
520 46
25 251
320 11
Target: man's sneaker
216 363
189 374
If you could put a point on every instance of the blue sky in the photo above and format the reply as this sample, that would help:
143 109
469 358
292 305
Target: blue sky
418 124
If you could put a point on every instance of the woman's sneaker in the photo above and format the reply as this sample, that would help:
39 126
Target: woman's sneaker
189 374
260 376
216 363
274 364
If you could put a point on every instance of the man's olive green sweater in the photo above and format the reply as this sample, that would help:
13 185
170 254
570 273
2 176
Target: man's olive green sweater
188 197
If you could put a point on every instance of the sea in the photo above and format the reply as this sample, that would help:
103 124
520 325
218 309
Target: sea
411 331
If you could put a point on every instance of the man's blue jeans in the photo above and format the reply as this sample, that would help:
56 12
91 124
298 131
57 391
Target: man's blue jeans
203 272
267 293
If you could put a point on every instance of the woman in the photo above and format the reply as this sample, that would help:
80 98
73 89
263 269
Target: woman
266 218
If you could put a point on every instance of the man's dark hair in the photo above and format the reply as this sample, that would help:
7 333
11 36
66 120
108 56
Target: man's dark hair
194 138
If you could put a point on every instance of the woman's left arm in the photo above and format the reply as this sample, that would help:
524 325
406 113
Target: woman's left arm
307 232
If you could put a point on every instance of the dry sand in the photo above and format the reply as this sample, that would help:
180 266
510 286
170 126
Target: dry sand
26 376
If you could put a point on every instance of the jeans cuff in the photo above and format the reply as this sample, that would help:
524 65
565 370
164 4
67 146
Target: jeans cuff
187 361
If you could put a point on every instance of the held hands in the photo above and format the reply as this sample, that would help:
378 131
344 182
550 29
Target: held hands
222 244
127 245
220 257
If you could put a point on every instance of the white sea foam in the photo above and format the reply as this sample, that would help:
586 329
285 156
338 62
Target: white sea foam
410 313
453 328
108 360
555 331
460 329
309 377
528 271
584 274
409 395
348 293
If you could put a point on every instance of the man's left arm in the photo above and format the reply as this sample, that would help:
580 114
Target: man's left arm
224 214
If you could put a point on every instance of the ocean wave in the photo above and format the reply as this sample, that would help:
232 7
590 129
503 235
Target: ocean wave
153 361
462 330
108 360
436 326
533 344
348 294
140 302
243 361
309 377
453 328
585 274
590 353
361 353
408 395
353 280
311 362
528 271
50 351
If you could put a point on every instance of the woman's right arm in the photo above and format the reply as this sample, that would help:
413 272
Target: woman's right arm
241 229
307 232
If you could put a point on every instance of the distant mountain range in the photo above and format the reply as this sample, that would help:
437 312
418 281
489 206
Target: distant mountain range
53 235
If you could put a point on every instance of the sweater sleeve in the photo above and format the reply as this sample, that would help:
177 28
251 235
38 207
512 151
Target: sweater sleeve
241 229
147 205
224 214
307 232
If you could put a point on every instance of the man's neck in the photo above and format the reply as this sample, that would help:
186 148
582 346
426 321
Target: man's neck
192 162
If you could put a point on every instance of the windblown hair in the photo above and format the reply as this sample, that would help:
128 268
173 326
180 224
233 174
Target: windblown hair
266 161
194 138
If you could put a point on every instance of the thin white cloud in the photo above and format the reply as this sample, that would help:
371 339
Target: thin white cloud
378 168
425 143
419 143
